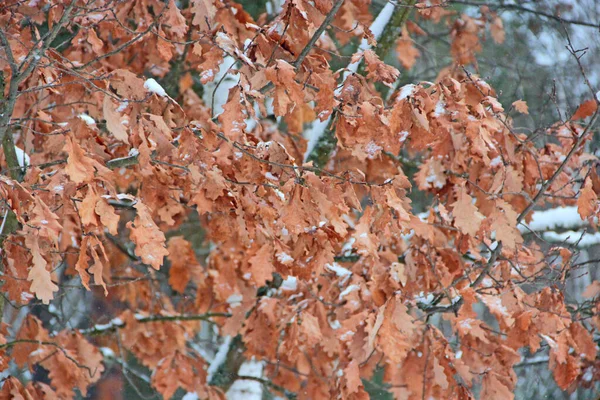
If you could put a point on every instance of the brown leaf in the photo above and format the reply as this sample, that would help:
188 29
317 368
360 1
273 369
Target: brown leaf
497 30
148 238
587 203
114 121
521 106
467 217
41 280
586 109
79 167
378 70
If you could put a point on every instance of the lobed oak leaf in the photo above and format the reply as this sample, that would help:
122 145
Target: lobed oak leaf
586 109
378 70
521 106
233 116
95 41
592 291
175 20
40 278
45 221
497 30
79 167
204 12
406 51
148 238
587 203
261 265
467 217
127 84
183 261
352 377
90 243
288 92
493 388
114 123
178 370
493 103
107 215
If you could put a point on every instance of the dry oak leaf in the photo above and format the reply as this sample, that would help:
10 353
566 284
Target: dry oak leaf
114 123
204 13
586 109
521 106
497 30
406 51
178 370
288 92
467 217
261 265
183 261
592 290
175 20
148 238
91 242
79 167
587 202
41 280
352 377
378 70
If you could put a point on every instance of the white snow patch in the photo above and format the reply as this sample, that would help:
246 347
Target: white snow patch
403 136
496 162
285 258
290 284
425 299
581 239
349 290
154 87
372 149
219 358
235 300
406 91
87 119
22 157
554 218
338 269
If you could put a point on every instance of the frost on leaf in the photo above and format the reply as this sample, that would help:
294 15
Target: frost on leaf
148 238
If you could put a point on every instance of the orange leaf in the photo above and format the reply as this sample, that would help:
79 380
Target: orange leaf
586 109
521 106
149 240
378 70
587 201
79 166
41 280
467 217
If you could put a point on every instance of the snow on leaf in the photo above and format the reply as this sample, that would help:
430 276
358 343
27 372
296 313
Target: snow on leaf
154 87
